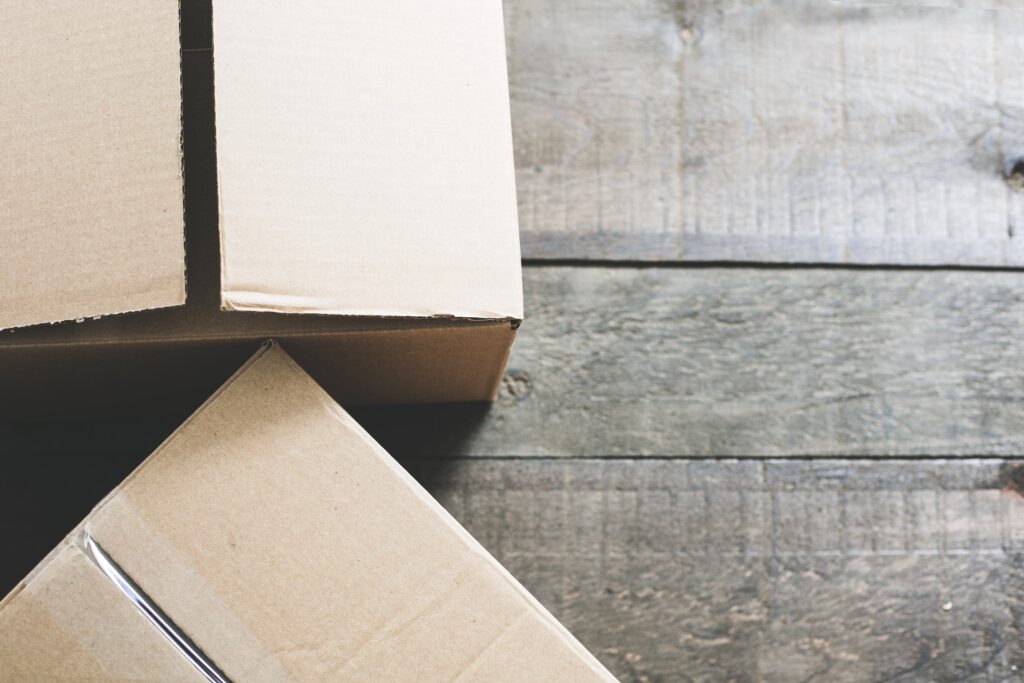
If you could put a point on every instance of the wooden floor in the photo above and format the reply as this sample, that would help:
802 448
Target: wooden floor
734 472
746 472
860 131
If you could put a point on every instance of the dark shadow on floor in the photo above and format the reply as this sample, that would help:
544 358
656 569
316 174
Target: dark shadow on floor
54 473
416 431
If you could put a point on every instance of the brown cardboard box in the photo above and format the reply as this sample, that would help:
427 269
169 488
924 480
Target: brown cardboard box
270 539
361 207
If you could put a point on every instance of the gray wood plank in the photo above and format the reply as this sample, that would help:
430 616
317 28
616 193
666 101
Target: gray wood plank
743 361
674 570
758 130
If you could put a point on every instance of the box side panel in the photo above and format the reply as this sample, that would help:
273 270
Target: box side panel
326 561
90 160
376 178
69 623
97 380
422 366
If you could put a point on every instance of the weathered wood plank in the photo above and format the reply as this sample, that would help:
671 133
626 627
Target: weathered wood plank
783 571
735 361
759 130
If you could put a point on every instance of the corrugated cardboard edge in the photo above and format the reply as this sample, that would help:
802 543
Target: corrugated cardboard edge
260 302
181 158
133 308
457 324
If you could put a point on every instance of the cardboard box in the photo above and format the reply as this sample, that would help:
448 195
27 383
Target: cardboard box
270 539
359 204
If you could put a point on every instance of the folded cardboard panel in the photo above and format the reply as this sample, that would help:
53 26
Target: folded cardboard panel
282 544
377 193
364 155
90 160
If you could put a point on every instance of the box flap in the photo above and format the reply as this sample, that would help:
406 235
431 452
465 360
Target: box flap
364 158
91 215
69 623
288 546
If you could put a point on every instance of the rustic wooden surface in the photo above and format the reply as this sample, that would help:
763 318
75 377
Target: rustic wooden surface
838 570
763 130
906 566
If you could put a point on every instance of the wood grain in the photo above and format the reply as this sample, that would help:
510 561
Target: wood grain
758 130
675 570
738 362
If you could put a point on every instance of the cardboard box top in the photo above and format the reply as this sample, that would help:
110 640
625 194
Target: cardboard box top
90 160
364 155
364 160
286 546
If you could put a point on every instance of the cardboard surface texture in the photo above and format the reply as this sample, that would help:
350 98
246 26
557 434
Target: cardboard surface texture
356 200
365 121
90 160
288 546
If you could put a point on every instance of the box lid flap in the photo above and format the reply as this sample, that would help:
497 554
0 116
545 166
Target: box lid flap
69 623
364 158
287 545
91 214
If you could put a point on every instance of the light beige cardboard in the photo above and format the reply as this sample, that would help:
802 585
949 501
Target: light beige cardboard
90 159
288 546
69 623
79 369
364 157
